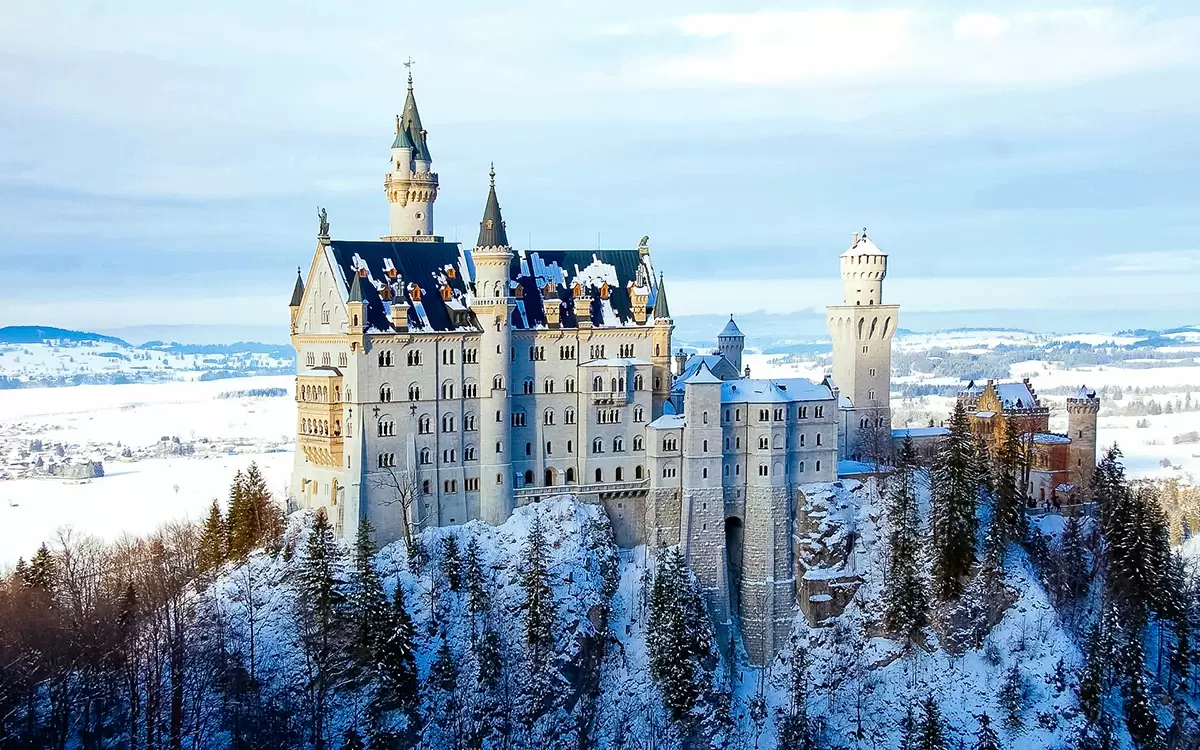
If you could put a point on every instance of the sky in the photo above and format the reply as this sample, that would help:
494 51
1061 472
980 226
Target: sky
161 163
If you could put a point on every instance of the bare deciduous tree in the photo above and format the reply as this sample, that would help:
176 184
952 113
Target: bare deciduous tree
874 442
401 487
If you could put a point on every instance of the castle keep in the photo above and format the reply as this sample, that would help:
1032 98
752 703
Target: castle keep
438 384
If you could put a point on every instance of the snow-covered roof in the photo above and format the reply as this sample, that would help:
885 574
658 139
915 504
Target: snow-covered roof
919 432
668 422
324 371
1065 487
845 402
864 246
719 366
985 414
1084 393
702 376
731 329
1049 438
803 389
761 391
1015 395
616 362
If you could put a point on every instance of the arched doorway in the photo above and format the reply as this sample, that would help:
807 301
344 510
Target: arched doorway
551 477
733 554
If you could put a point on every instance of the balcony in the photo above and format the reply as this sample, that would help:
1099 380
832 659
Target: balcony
532 493
322 450
610 398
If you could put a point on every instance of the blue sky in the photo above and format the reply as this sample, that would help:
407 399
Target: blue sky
160 163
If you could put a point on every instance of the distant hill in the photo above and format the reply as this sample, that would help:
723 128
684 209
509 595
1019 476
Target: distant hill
38 334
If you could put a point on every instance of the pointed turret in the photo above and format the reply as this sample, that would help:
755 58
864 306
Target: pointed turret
661 311
410 125
356 290
410 183
297 291
491 228
731 342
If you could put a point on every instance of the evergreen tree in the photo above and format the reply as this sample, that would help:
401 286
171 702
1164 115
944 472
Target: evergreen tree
1006 488
396 660
1138 551
237 520
910 731
445 720
488 658
451 563
539 691
932 735
1179 612
795 732
678 636
1109 488
906 605
367 607
320 621
266 517
478 598
211 554
1012 697
1140 718
954 497
1071 562
986 738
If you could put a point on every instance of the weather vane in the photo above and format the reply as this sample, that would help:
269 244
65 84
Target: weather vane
408 64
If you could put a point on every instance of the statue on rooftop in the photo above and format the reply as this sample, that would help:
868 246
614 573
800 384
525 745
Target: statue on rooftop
323 219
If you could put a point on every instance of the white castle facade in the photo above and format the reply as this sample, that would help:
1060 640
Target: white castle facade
446 385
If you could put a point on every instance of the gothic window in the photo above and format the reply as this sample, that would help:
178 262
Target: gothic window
447 423
763 443
343 360
518 418
638 383
618 445
818 438
638 443
548 416
414 357
548 385
569 416
597 383
448 389
426 459
620 474
670 443
498 383
639 414
528 385
470 389
414 392
469 453
385 393
569 385
424 425
387 427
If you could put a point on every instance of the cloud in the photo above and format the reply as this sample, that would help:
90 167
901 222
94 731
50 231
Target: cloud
1166 261
835 47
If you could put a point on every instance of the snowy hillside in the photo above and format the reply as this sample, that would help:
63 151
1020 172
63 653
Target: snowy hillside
80 358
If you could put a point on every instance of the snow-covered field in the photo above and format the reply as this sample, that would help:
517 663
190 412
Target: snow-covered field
151 487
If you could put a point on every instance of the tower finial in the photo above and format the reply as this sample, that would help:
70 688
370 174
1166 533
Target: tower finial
492 174
408 64
397 125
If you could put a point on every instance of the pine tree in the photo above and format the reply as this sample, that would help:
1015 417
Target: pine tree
451 563
906 605
397 664
954 497
320 617
367 607
676 636
932 735
1006 468
237 520
1071 562
478 598
1140 718
910 731
266 518
1179 612
539 689
794 731
446 719
488 658
1012 697
211 554
986 738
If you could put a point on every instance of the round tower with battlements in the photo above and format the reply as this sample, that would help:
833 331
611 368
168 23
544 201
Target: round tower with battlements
731 342
410 183
492 304
1082 411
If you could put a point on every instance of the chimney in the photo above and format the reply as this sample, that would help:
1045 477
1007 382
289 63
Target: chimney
854 240
680 361
583 308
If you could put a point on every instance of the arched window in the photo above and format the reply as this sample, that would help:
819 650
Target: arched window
426 487
470 389
424 425
570 474
597 446
385 393
447 423
528 385
569 416
638 384
548 416
614 386
448 389
763 443
639 414
499 448
801 467
569 385
618 445
597 383
818 438
469 453
599 475
670 444
638 443
802 440
414 357
469 422
818 465
518 418
548 385
704 473
528 477
497 383
414 392
620 474
704 446
387 427
639 472
425 456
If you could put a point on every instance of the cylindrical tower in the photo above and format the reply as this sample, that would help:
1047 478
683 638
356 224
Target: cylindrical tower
410 183
730 343
493 306
864 267
1082 411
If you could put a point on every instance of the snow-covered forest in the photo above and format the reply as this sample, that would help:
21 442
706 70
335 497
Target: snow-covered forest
975 626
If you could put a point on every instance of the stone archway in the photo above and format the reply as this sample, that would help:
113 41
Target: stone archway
551 477
733 556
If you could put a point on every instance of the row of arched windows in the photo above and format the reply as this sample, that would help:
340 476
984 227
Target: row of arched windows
318 393
320 427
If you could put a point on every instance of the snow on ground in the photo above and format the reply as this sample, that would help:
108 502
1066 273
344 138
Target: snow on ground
136 496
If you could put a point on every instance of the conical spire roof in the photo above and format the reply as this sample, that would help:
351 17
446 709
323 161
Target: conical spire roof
356 289
297 291
403 139
491 228
660 300
731 329
410 125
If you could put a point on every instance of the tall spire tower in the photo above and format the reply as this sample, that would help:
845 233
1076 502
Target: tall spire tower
411 184
862 328
493 307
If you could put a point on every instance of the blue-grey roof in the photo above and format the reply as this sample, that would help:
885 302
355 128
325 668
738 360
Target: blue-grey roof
491 226
701 376
716 363
919 432
661 309
297 291
761 391
731 329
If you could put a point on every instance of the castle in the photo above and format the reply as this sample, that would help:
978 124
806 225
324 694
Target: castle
437 385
